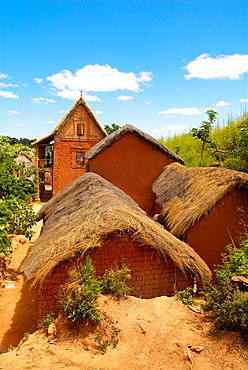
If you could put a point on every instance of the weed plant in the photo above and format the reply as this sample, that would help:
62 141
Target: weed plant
186 296
223 297
78 297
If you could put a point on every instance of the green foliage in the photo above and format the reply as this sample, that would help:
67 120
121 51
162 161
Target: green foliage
46 321
78 297
104 342
15 193
203 133
186 296
227 147
113 127
223 297
115 281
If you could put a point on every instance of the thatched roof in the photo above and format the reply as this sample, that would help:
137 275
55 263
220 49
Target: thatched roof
88 211
187 194
110 139
48 138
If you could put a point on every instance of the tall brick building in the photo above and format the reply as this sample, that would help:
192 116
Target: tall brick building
61 154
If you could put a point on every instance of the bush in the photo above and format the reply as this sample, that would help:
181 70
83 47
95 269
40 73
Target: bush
228 303
78 297
16 216
115 281
186 296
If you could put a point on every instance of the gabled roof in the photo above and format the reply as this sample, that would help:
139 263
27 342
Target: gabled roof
48 138
110 139
187 194
87 212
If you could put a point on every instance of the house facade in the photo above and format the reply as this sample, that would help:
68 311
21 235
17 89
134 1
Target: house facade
61 154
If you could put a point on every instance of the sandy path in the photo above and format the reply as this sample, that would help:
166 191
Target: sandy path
17 305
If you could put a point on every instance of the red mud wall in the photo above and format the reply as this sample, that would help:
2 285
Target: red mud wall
151 275
211 234
67 143
132 164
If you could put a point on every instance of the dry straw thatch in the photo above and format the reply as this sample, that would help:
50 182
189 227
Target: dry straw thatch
110 139
88 211
187 194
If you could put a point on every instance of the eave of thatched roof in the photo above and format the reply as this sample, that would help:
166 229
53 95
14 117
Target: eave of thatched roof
48 138
187 194
88 211
110 139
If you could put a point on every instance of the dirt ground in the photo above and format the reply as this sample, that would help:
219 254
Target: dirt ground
159 333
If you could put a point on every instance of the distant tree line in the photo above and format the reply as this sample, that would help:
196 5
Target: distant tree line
23 141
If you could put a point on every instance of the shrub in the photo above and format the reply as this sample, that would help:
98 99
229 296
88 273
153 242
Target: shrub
223 297
186 296
16 216
78 297
115 281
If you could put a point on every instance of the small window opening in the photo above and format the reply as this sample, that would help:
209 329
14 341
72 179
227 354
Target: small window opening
79 158
80 129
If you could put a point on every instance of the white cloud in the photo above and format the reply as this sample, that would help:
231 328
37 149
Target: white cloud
183 111
221 103
124 97
61 111
147 102
49 122
38 80
42 101
4 75
223 66
98 112
21 124
8 94
170 130
3 85
75 95
24 85
11 112
96 78
243 100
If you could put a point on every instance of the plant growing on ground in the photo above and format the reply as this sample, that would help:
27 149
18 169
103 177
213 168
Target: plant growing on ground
186 296
228 303
204 132
78 297
115 281
46 321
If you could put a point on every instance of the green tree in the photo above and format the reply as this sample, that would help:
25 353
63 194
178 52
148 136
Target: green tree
113 127
204 132
16 214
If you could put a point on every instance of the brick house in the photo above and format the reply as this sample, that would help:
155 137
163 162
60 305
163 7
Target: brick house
61 154
132 160
93 217
206 207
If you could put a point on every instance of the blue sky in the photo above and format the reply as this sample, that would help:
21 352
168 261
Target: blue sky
155 64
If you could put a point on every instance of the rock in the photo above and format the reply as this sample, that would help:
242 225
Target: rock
197 349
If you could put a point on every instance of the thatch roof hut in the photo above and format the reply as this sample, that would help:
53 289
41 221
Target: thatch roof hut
204 202
86 213
116 135
131 160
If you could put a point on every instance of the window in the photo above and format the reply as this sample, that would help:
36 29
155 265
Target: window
80 158
80 129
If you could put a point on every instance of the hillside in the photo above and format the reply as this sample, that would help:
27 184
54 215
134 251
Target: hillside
227 150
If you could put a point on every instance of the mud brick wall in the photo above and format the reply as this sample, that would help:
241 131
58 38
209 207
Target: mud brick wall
151 275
